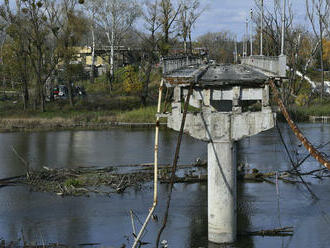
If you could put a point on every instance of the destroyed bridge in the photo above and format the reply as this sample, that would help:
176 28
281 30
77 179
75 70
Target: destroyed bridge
227 103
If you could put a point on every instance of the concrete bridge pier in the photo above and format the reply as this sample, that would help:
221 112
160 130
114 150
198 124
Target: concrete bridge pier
222 192
231 102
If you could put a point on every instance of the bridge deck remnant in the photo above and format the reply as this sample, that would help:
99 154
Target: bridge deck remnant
231 102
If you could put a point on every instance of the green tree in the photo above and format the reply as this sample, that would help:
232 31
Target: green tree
14 52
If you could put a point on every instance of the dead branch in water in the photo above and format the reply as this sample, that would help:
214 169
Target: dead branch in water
284 231
25 162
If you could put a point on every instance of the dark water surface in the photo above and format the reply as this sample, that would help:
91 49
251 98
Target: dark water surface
44 217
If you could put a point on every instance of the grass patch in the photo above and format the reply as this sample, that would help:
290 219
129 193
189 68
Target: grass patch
140 115
72 182
302 113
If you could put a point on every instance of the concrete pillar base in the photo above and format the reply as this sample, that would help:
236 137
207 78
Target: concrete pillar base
222 192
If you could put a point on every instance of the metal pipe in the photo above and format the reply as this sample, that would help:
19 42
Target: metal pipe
154 204
261 27
283 28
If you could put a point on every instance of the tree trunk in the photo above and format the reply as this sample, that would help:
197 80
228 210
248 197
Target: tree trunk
322 62
185 44
112 55
190 42
92 76
68 82
145 89
41 96
109 74
70 92
25 94
43 107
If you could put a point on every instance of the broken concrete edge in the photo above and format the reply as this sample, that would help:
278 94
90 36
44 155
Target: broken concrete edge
270 66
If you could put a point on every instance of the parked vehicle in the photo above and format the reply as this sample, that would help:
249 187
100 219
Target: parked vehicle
62 92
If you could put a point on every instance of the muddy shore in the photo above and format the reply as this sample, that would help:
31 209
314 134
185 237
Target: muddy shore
43 124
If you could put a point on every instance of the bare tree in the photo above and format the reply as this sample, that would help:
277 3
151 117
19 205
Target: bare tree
91 7
189 13
71 27
168 14
272 20
3 36
116 17
318 15
150 42
220 45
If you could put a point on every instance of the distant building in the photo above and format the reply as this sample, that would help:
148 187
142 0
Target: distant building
123 56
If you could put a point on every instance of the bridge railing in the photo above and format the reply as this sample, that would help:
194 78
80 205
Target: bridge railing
273 65
174 63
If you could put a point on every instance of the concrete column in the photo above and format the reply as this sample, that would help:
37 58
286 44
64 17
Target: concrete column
164 66
206 97
176 104
265 97
222 192
236 100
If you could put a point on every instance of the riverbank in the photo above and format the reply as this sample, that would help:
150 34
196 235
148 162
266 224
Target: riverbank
102 115
45 124
306 113
83 116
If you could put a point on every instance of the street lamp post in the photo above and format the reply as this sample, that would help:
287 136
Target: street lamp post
246 36
283 28
261 27
251 30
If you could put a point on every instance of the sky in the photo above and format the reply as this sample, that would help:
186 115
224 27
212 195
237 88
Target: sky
230 15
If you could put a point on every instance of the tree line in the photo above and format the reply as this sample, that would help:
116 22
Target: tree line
38 40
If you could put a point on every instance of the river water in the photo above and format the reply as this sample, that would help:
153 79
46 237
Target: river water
44 217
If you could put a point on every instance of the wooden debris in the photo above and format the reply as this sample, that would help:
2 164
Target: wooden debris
284 231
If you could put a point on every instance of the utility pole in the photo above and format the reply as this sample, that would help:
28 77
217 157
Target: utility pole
243 47
261 27
283 27
246 36
251 31
321 51
236 59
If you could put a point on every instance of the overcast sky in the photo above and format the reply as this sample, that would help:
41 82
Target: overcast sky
231 14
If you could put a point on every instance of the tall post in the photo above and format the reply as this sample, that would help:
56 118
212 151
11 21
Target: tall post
246 36
251 32
222 214
321 56
236 59
261 27
243 47
283 28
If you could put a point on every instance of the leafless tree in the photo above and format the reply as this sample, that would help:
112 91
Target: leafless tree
220 45
318 15
116 17
150 40
91 8
189 13
167 17
273 25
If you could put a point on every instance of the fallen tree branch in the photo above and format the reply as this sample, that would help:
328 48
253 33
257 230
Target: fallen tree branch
284 231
